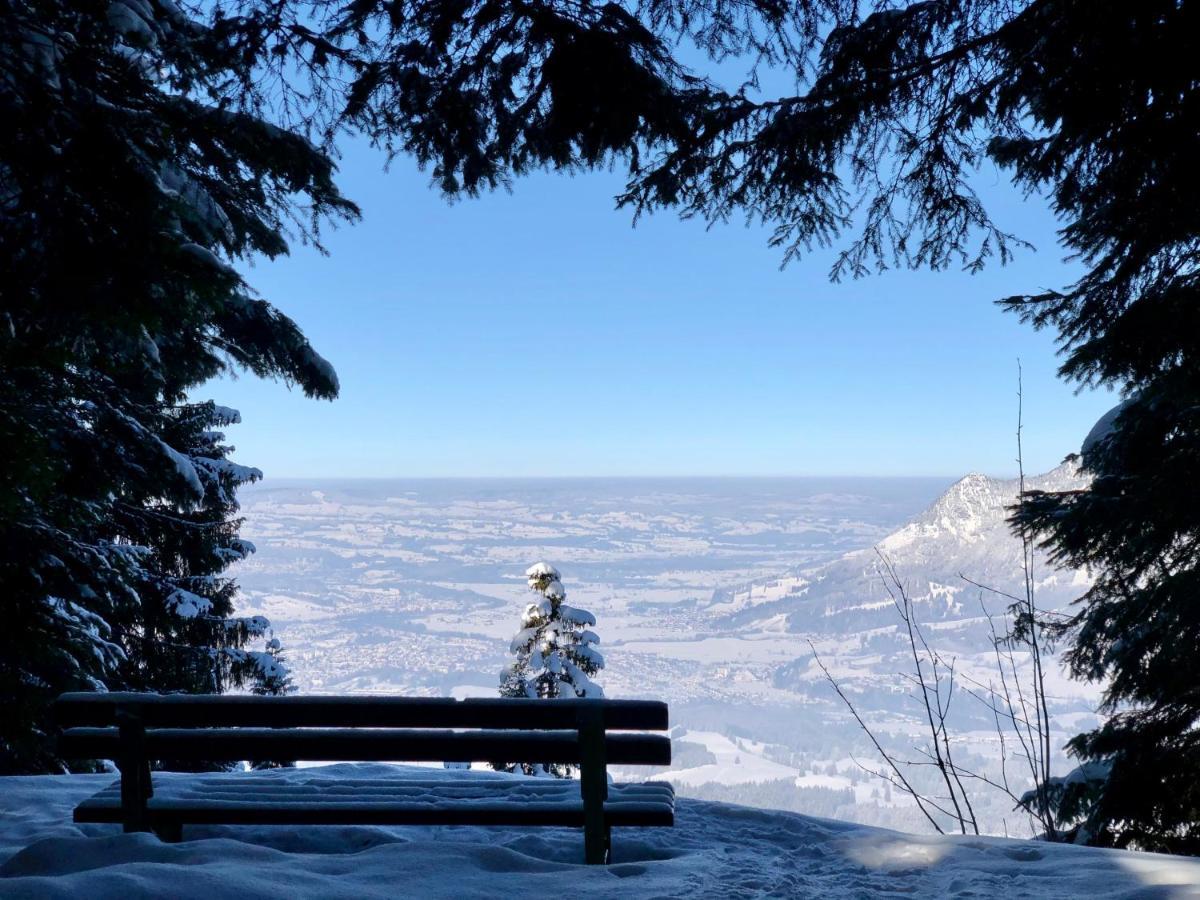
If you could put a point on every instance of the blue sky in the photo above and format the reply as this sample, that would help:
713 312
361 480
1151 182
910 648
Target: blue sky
538 333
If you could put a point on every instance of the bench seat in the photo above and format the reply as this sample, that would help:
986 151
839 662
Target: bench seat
462 800
142 731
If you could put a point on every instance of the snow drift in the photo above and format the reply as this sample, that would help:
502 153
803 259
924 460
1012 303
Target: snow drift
715 850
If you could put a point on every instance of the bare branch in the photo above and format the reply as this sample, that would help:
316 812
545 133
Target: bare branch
899 774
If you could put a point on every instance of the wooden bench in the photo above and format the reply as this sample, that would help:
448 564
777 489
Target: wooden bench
135 730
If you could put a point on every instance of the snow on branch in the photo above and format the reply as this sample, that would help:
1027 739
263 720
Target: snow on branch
187 605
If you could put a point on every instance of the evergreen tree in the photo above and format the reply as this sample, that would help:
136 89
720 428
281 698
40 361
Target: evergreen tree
555 648
134 169
1138 626
184 636
556 655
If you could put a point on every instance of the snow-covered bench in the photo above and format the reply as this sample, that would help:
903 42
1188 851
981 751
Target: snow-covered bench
134 729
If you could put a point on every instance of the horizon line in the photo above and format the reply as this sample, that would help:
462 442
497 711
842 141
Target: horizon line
633 477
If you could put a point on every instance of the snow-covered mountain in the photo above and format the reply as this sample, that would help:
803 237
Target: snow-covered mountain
843 609
962 537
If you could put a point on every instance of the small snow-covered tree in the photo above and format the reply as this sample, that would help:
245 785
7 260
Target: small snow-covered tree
556 655
555 648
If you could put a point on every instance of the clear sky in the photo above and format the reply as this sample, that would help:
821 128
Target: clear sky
539 333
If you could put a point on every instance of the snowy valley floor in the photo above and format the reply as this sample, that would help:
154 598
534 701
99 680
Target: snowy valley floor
715 850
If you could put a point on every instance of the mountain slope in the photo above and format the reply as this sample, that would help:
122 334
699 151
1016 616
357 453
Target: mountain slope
963 533
843 611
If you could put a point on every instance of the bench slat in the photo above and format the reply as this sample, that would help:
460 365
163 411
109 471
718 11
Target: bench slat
450 795
217 710
398 802
527 814
405 792
334 744
354 787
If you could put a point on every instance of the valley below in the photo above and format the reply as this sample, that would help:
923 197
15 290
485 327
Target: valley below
710 594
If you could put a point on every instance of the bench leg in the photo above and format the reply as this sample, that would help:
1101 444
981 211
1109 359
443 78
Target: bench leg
595 845
593 785
169 832
133 798
135 772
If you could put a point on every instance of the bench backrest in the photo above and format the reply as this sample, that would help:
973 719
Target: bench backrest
359 711
401 729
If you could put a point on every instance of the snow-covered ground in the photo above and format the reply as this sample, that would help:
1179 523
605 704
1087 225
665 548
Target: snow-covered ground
715 850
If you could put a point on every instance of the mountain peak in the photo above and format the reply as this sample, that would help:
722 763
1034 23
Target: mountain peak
977 504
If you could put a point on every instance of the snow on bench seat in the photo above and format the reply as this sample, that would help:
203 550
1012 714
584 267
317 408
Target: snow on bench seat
465 799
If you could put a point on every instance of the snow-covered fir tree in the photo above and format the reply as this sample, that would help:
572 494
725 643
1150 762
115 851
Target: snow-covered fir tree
555 648
183 635
556 655
135 168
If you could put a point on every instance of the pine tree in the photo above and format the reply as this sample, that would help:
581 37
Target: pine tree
1137 627
556 655
555 649
184 636
135 167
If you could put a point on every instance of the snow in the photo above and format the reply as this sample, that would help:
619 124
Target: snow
541 570
95 630
552 655
522 639
209 258
187 605
185 468
225 415
315 360
584 686
409 587
1104 427
576 616
150 347
255 625
734 764
715 850
133 19
200 207
238 473
268 665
